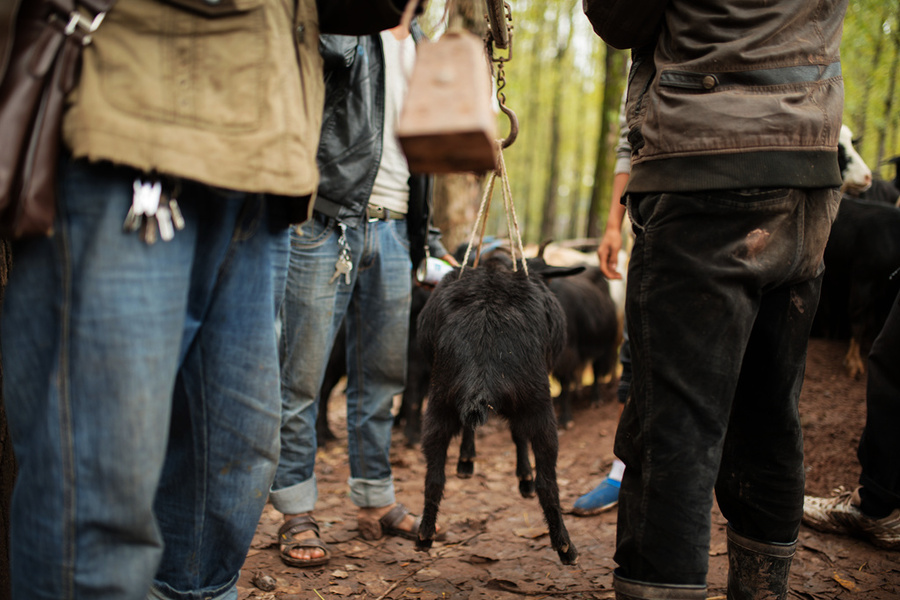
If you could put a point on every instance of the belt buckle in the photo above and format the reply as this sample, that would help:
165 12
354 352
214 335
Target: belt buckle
376 213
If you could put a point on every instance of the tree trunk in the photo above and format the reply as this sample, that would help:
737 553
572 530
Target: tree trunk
889 99
456 200
860 120
575 203
530 121
616 62
7 459
548 217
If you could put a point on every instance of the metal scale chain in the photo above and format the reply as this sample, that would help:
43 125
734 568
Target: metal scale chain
501 74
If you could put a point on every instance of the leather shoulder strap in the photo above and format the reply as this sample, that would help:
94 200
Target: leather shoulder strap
97 5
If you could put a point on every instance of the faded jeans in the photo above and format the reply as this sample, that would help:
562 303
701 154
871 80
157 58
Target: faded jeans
141 387
375 304
722 289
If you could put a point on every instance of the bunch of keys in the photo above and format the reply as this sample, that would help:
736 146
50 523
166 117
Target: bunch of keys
344 263
152 210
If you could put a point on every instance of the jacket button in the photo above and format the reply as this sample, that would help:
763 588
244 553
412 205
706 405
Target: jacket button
709 82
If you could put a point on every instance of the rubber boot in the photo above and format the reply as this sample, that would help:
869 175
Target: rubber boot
628 589
758 570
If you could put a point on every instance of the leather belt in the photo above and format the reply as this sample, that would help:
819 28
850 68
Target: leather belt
380 213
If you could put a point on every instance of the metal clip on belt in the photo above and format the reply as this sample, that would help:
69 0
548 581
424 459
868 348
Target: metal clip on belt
380 213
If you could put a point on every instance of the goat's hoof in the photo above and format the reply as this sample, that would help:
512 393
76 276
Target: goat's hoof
423 545
526 488
568 555
465 468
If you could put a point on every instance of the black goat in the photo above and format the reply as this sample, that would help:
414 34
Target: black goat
592 333
492 335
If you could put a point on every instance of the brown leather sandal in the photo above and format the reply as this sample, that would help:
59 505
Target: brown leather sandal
287 542
389 524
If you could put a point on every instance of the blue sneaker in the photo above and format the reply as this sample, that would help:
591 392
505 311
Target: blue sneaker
602 498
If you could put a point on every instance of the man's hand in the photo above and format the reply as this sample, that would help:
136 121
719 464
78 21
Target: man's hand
608 253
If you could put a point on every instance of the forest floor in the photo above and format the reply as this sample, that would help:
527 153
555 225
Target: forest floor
497 546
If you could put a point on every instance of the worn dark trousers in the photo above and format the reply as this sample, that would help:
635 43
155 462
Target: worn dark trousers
879 446
722 289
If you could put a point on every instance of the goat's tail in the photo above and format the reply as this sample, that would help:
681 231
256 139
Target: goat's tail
474 411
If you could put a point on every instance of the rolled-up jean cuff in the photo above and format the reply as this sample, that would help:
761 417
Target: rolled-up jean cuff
229 592
644 590
371 493
296 499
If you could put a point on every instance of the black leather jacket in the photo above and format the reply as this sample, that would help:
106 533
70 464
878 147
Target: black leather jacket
351 143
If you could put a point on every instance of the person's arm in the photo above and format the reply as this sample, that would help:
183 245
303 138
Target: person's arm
626 23
608 250
361 17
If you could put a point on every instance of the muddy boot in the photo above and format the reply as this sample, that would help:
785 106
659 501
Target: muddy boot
628 589
757 570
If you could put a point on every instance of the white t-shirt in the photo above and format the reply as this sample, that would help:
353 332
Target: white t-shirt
391 188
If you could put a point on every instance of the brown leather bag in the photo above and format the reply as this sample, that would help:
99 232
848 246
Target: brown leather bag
39 64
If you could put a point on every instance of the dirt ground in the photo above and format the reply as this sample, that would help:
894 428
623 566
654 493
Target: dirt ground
497 546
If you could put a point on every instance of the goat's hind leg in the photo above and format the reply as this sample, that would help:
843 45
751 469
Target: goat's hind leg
523 464
439 428
465 466
545 444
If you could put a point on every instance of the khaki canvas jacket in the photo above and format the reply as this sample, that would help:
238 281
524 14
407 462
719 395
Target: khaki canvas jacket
226 93
730 94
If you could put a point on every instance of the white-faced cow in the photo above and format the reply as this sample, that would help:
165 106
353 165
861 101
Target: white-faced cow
856 174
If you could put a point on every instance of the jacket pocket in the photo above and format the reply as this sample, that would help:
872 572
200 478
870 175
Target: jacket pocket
189 70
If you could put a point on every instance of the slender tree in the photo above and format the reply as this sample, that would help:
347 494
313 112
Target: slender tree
528 150
575 203
551 195
889 93
615 62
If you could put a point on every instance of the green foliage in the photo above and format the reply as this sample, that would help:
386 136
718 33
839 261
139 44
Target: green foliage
868 59
869 55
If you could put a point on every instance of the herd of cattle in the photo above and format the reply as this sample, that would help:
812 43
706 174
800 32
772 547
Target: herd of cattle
861 281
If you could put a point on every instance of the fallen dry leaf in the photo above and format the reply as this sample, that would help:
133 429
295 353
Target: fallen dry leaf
845 583
530 532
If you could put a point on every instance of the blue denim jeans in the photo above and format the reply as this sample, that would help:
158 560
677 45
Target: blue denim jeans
375 305
141 386
722 289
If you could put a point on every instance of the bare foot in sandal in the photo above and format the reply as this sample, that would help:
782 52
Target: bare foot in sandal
300 544
394 519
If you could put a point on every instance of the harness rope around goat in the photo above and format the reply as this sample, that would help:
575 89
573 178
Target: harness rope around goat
512 222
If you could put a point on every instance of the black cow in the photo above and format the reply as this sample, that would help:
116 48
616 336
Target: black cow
862 254
880 190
